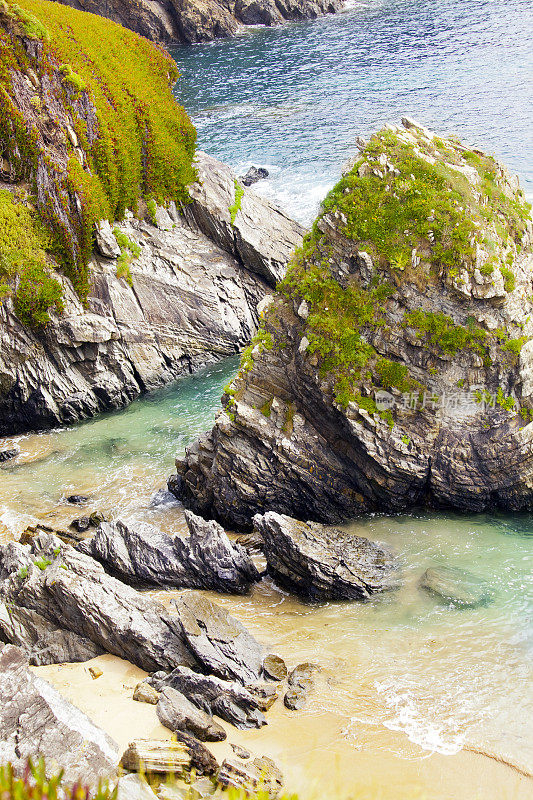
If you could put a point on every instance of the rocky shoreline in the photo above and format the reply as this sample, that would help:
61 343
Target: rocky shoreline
203 20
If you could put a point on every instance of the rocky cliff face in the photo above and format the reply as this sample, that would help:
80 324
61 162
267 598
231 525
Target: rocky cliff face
202 20
182 301
394 366
83 330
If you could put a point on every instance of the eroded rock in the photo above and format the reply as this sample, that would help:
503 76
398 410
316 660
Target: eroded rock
177 713
154 755
457 586
319 562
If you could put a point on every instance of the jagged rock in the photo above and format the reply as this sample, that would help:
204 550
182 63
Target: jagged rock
43 641
134 787
203 761
8 453
218 640
274 667
144 693
266 694
262 235
407 392
81 524
260 773
301 683
457 586
323 563
227 699
72 591
177 713
153 755
204 20
295 698
206 559
35 719
95 672
255 174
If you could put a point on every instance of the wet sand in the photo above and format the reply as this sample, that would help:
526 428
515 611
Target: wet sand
309 746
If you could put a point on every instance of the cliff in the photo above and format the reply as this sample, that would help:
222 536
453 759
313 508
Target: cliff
202 20
394 365
95 151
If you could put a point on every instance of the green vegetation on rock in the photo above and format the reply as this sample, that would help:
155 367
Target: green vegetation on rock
235 208
128 252
127 140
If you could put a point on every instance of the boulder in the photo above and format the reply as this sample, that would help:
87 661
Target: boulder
255 174
261 773
177 713
134 787
320 563
218 640
156 756
105 240
206 559
274 667
227 699
266 694
457 586
36 721
144 693
301 683
203 761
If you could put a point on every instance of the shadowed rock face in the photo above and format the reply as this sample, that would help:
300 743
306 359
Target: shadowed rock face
322 563
193 300
35 719
390 371
202 20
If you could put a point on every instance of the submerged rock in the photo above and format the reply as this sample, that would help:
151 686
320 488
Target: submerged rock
8 453
177 713
394 366
323 563
457 586
35 719
206 559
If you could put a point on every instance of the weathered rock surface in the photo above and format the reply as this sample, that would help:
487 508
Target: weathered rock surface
261 236
36 720
134 787
254 175
260 773
193 300
457 586
206 559
301 683
43 641
8 453
177 713
323 563
153 755
218 640
72 592
202 20
274 667
437 416
202 759
227 699
144 693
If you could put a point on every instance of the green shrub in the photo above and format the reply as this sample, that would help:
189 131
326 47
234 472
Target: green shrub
152 209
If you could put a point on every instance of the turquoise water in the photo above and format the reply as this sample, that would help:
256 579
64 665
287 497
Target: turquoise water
294 98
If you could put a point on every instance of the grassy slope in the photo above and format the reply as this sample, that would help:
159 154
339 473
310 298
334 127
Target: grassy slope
141 147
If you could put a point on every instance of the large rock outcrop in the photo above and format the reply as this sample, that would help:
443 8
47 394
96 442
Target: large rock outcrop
206 559
321 563
202 20
394 366
161 294
36 721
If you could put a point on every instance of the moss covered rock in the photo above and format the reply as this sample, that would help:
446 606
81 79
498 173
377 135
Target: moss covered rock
395 359
88 128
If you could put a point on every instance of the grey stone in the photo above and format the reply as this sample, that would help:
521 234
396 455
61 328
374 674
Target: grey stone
262 773
206 559
241 752
219 641
254 175
177 713
203 761
266 694
295 698
9 453
323 563
35 719
105 240
227 699
457 586
145 693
